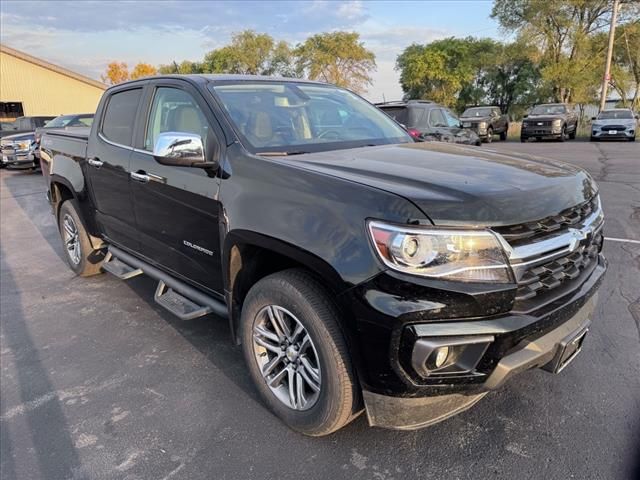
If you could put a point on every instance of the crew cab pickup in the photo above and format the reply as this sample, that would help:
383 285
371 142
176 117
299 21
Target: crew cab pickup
357 269
486 122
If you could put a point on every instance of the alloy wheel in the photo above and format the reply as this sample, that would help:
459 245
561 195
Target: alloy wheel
71 238
287 357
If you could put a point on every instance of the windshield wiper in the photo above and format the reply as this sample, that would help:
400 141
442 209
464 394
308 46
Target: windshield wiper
281 154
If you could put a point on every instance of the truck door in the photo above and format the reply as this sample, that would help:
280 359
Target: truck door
108 157
177 208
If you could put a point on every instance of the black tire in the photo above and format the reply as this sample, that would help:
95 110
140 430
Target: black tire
338 399
592 139
489 138
632 139
523 139
563 134
504 134
89 259
572 135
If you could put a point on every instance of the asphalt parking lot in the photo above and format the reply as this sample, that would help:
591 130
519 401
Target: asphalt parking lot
99 382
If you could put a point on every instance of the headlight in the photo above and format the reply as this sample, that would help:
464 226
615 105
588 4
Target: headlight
557 122
447 254
23 145
482 125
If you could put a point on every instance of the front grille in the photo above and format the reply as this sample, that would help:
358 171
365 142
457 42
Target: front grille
517 234
545 277
619 128
542 123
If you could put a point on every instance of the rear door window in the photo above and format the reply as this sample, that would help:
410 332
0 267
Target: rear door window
119 116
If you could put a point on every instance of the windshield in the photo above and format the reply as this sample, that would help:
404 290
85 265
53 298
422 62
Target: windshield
477 112
71 121
294 117
548 110
615 114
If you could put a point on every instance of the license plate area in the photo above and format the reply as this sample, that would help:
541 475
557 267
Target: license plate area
568 349
612 132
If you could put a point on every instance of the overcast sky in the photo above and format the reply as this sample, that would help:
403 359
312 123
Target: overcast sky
86 35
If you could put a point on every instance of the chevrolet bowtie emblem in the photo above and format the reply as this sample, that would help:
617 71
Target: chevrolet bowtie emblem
577 237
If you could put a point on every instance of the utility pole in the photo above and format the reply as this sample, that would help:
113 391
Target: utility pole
607 68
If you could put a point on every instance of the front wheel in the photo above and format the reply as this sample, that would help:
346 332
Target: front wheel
572 135
489 135
83 259
563 134
297 354
503 135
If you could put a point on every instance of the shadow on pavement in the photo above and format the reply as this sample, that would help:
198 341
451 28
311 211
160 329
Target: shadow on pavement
48 428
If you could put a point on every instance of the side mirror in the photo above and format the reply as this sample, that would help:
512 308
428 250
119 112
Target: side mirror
181 149
593 118
637 117
525 115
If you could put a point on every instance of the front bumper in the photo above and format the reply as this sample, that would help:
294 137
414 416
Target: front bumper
609 135
519 342
18 159
541 132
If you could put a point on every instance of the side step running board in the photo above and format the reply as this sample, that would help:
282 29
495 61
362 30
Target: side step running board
118 268
179 298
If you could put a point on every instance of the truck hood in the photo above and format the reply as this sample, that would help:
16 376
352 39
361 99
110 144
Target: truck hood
460 185
540 118
476 119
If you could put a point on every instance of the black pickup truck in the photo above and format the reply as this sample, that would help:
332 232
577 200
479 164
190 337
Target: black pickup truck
359 270
486 122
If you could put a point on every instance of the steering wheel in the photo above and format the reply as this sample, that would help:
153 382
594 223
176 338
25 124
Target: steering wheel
331 134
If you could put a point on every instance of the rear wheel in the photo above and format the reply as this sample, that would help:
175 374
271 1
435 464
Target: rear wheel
83 259
297 354
503 135
572 135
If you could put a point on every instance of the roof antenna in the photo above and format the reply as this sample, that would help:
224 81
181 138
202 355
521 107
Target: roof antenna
384 100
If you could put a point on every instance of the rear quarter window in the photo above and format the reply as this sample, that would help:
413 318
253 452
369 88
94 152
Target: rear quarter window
119 116
400 114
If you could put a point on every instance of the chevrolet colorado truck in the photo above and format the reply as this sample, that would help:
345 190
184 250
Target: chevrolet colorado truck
486 122
550 120
358 270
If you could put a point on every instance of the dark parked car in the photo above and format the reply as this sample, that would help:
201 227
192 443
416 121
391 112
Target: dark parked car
614 123
486 122
19 151
357 268
25 125
551 120
429 121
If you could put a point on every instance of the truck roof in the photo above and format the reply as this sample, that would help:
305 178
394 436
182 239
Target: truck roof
223 77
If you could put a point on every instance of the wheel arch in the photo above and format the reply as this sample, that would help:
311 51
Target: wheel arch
250 256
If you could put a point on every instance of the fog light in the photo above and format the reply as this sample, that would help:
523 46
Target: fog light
441 356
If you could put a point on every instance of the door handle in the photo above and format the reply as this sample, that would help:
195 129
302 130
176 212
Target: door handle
140 177
94 162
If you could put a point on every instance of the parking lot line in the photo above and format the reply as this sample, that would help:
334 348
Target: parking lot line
624 240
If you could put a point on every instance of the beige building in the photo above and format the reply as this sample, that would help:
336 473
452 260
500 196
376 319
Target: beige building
30 87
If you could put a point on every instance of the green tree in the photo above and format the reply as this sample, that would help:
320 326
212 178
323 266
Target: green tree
336 57
438 71
564 30
625 69
185 67
251 53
